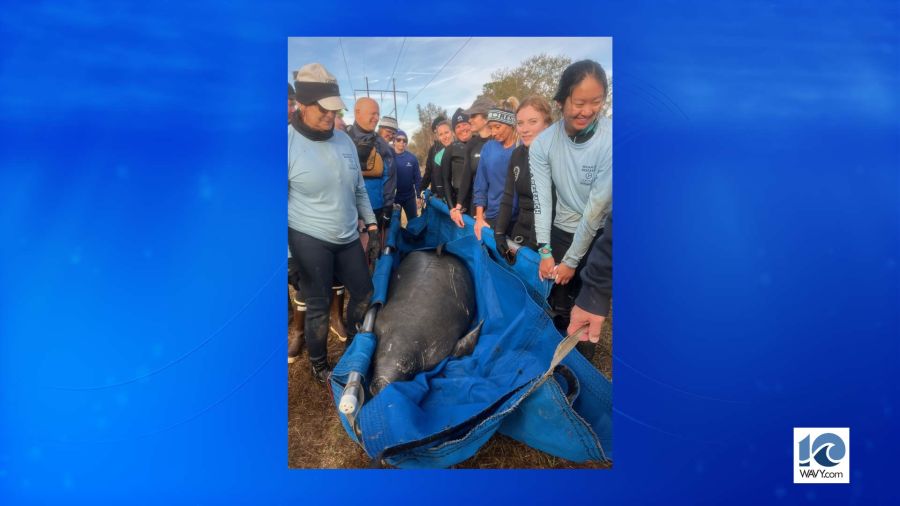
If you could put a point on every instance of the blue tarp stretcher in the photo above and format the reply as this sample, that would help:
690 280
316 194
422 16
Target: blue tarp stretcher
521 379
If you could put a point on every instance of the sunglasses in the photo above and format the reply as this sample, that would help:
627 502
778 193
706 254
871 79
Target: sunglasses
400 139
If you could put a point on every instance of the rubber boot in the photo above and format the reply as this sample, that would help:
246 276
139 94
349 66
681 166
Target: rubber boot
336 319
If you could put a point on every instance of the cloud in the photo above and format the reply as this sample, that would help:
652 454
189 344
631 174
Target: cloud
421 59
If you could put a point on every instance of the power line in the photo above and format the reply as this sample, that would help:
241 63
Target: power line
346 67
435 75
398 58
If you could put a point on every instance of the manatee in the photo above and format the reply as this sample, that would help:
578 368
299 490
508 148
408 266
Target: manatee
429 309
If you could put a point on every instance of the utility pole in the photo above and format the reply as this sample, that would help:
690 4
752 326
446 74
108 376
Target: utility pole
393 91
394 86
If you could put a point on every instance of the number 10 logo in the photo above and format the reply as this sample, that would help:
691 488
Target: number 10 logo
821 455
827 450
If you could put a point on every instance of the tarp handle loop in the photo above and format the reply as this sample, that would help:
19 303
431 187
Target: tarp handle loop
562 350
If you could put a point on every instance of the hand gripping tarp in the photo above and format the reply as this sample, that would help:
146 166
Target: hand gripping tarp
514 381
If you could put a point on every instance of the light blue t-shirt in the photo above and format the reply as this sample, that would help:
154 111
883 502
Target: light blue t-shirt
582 175
326 193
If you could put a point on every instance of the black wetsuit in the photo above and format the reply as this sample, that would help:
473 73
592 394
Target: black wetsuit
453 171
429 179
472 158
518 193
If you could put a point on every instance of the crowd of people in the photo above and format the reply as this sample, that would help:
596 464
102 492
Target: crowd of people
531 182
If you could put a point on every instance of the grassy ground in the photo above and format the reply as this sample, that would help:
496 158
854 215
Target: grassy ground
316 438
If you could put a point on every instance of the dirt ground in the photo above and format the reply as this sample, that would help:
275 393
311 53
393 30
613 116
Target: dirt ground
316 438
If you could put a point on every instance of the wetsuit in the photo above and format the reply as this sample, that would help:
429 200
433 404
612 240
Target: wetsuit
518 197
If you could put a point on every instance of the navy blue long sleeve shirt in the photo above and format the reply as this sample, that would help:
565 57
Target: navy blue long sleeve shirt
409 178
596 278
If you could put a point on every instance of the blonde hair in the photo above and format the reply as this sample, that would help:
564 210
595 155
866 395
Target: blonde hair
539 104
510 104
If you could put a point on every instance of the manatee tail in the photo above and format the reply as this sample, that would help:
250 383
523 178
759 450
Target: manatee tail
466 344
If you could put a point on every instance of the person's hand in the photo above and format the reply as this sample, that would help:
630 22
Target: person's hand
479 224
374 247
456 216
564 274
420 203
502 247
546 268
580 318
387 212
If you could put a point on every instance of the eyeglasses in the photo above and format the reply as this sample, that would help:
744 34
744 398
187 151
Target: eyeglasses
400 139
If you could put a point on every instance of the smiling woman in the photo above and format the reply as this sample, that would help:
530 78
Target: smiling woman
326 195
571 164
532 117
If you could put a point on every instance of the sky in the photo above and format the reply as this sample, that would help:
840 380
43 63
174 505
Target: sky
446 71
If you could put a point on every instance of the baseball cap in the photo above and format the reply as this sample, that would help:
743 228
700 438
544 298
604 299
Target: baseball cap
481 106
315 84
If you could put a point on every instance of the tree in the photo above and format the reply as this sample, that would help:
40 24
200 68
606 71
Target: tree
423 138
538 75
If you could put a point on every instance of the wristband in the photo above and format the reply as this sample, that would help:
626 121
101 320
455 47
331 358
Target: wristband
545 251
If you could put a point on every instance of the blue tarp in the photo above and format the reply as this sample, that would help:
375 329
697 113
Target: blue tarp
443 416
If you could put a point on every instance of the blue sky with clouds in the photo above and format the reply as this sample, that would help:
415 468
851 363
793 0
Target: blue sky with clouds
420 61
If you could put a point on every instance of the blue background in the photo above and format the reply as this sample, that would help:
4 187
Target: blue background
142 214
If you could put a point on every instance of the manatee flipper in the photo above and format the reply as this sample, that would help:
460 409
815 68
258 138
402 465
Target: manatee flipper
466 344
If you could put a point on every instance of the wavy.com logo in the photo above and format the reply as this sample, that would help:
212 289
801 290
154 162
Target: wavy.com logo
821 455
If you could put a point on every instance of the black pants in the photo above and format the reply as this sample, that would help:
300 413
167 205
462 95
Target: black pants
409 207
293 273
319 263
562 297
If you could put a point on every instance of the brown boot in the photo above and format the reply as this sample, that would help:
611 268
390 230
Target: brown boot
336 318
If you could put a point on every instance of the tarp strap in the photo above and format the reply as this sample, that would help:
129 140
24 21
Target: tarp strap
562 350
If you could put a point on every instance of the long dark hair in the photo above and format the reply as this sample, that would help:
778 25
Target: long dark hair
577 72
